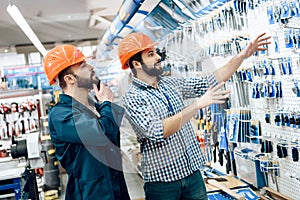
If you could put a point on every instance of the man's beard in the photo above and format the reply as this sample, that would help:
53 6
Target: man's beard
152 71
87 82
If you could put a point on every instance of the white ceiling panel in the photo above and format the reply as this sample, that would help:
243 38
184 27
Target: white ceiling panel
57 21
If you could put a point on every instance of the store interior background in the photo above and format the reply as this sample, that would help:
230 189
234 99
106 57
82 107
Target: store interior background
197 40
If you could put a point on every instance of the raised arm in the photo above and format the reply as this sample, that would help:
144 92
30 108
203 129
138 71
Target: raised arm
225 72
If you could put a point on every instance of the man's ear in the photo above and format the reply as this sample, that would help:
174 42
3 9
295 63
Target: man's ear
136 64
69 78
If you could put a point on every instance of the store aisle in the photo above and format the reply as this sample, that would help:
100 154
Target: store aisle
134 181
130 149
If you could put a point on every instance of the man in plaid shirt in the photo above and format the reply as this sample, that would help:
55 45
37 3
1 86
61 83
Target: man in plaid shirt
171 154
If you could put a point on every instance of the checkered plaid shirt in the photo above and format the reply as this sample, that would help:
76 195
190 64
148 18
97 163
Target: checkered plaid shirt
179 155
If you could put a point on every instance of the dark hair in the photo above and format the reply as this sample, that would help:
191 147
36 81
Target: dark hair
136 57
61 75
66 71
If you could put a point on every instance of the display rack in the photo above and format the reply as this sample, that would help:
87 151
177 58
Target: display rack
10 178
267 84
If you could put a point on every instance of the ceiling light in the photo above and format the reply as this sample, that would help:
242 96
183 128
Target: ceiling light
184 9
19 19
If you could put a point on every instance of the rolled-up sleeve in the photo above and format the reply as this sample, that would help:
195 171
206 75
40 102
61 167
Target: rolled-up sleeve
142 118
196 86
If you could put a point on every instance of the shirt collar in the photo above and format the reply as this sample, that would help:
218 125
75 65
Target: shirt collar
141 84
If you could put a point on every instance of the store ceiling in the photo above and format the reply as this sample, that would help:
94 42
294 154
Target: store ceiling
57 21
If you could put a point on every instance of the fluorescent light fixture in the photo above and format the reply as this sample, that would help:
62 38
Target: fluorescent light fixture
19 19
184 9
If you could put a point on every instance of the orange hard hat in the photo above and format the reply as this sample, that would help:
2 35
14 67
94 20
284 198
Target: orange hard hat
59 58
131 45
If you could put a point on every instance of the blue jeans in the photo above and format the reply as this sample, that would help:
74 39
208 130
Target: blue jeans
191 187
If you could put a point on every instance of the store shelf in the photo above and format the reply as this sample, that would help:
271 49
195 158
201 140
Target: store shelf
6 195
6 94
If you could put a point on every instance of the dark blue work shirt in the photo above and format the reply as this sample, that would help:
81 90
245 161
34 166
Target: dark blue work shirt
87 146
